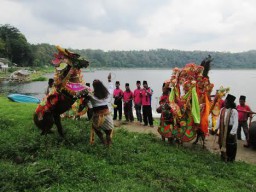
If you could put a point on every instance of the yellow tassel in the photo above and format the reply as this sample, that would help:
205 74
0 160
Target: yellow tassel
113 105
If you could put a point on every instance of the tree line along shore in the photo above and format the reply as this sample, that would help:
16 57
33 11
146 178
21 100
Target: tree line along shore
19 52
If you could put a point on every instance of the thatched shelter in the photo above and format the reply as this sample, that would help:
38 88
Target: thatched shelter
20 75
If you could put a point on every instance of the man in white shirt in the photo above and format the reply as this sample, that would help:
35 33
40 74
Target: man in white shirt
110 90
227 125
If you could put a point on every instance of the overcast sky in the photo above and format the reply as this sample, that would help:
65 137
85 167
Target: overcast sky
211 25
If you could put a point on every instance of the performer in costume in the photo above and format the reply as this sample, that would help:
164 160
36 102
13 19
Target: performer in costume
190 108
68 85
166 120
227 124
186 108
243 118
86 105
101 118
216 106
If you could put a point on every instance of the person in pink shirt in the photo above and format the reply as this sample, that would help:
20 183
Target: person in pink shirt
118 95
137 95
146 104
243 114
127 98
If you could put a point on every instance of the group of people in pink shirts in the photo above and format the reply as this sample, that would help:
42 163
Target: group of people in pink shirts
140 97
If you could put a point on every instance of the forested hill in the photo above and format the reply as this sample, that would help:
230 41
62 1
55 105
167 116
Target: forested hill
160 58
14 46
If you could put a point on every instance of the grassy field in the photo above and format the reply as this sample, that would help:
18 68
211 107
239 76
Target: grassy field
135 162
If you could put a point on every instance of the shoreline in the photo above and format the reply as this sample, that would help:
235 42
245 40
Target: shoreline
247 155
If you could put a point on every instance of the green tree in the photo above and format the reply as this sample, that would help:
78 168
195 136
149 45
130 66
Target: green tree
2 48
15 46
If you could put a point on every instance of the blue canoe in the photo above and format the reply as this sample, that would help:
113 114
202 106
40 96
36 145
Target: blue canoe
23 98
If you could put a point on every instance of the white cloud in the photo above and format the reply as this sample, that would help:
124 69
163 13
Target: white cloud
214 25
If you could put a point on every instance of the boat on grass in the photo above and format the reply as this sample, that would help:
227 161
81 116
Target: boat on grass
23 98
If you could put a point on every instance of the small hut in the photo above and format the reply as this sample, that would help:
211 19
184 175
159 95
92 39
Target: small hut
20 75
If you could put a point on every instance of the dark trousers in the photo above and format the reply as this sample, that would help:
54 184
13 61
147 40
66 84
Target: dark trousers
147 115
231 146
138 112
231 149
89 113
244 125
118 109
128 111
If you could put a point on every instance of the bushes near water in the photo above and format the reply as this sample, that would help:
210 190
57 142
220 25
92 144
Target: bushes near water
40 79
135 162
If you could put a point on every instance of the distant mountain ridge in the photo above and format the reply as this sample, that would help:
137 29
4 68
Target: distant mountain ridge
14 47
159 58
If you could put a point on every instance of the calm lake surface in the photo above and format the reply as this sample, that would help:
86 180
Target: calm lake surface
241 82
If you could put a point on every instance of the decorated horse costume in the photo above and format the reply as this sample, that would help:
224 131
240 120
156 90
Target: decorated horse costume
190 109
68 85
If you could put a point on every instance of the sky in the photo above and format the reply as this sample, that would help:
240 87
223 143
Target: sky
206 25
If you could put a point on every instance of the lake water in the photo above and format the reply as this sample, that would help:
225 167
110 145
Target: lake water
241 82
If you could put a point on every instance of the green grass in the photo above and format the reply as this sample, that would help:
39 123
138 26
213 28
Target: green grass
4 74
135 162
38 76
40 79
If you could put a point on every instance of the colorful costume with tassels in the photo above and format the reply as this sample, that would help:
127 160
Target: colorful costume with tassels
68 81
76 111
47 104
190 110
166 121
101 119
216 105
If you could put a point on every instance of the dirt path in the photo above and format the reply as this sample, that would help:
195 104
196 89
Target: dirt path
243 154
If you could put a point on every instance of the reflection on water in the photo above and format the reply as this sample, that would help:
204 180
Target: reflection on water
241 82
33 88
36 88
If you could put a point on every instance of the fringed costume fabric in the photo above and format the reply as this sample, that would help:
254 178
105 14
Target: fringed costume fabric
101 120
227 125
190 108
